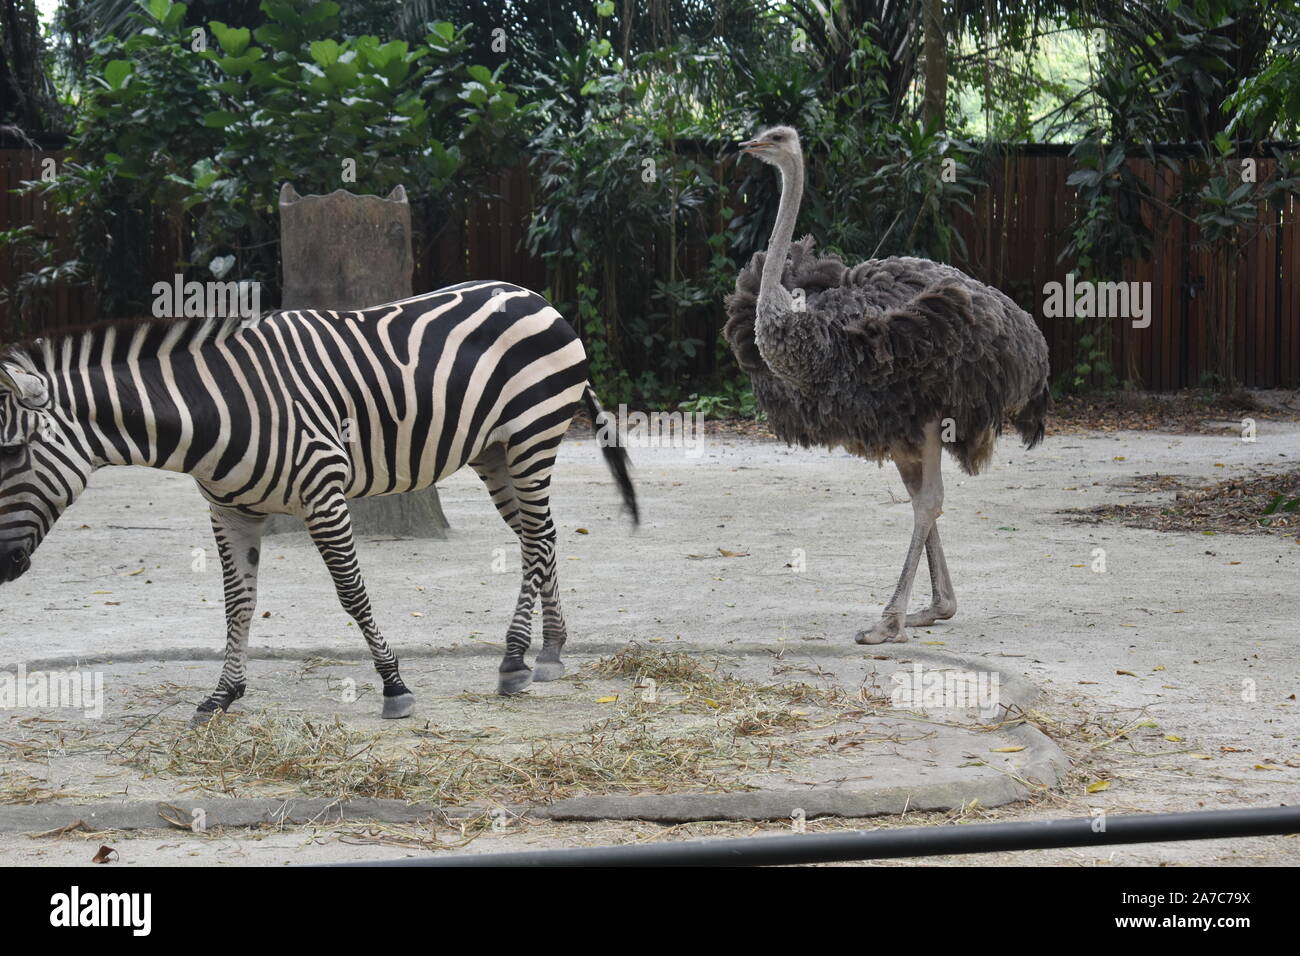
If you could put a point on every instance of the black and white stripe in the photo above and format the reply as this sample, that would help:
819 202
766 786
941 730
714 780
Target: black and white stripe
295 413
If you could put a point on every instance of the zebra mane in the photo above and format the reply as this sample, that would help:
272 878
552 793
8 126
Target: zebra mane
35 352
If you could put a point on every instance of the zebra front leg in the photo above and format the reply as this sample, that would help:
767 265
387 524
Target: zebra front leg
238 538
330 526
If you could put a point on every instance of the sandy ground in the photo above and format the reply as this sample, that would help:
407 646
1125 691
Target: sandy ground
1185 642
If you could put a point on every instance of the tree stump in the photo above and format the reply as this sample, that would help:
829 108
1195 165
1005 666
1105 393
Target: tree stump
345 251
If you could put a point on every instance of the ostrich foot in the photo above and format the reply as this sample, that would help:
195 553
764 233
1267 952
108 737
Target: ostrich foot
929 615
888 629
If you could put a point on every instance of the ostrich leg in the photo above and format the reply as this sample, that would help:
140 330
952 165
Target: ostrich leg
943 602
927 505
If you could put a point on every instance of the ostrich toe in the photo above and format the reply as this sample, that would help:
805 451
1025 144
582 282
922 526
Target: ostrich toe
929 615
886 630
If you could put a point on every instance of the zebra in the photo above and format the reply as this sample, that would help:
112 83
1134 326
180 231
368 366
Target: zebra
297 411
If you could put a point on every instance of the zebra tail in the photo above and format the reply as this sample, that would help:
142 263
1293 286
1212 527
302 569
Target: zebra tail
606 434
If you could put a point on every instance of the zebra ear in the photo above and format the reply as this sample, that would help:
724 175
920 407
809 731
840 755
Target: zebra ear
28 389
288 194
398 194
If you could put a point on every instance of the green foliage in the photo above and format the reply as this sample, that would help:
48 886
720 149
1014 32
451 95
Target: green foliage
642 212
214 132
1280 504
619 206
735 400
30 296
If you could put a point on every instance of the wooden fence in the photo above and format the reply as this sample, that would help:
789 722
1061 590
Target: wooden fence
1014 240
1020 226
68 305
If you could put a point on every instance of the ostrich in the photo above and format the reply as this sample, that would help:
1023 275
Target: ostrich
893 358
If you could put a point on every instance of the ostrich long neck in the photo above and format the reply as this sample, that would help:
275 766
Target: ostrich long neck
779 245
788 343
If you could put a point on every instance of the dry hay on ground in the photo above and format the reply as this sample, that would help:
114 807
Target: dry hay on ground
1234 506
1190 411
704 730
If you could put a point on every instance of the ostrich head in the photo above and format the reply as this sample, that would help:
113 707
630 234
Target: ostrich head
777 146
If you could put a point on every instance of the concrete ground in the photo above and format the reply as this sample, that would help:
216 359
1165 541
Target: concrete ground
1170 679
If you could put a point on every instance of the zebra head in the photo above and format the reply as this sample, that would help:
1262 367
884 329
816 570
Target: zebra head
41 471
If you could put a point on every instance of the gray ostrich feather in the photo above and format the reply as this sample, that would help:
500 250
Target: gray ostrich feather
886 346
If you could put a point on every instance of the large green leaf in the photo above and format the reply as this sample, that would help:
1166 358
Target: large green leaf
220 119
325 52
116 72
233 40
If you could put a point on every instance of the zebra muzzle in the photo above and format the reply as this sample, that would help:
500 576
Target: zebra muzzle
14 565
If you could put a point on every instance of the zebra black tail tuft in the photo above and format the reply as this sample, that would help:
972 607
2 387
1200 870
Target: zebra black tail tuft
615 455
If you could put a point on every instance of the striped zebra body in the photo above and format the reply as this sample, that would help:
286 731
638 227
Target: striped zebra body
295 413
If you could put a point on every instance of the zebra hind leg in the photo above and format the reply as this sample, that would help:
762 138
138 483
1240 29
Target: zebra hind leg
330 526
520 490
238 539
549 666
514 674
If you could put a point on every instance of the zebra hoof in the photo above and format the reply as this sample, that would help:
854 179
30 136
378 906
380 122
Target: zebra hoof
397 707
548 670
512 682
202 717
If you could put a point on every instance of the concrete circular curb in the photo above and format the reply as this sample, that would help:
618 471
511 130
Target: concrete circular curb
1043 768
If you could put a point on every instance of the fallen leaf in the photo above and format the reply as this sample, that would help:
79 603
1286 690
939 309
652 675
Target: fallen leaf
1267 766
1013 749
1173 739
733 554
105 855
606 700
583 531
1126 674
1098 786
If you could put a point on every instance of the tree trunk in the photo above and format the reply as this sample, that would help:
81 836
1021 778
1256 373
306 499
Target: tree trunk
345 251
936 66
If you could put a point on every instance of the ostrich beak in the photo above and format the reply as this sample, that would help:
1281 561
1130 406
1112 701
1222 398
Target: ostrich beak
754 145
